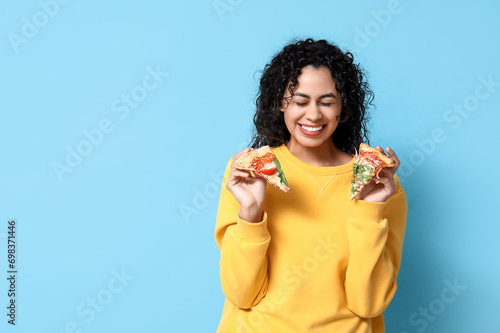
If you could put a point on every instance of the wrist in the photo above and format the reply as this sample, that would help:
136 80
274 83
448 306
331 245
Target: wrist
376 199
251 213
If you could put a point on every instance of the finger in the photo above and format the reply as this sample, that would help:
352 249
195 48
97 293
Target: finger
237 177
380 149
393 155
241 174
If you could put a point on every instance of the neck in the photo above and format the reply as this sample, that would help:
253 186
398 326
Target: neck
323 156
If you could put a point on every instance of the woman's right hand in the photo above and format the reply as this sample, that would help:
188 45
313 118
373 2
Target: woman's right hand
249 191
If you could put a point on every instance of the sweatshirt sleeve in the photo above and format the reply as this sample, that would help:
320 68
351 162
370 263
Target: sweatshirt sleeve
375 232
243 247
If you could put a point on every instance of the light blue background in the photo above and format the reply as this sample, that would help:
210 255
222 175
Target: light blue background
120 209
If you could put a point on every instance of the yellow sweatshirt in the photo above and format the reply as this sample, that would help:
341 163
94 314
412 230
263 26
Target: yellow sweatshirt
318 262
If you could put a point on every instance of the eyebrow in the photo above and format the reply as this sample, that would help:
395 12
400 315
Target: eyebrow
320 97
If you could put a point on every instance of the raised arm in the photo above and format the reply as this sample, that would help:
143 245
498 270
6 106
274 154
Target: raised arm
242 237
375 232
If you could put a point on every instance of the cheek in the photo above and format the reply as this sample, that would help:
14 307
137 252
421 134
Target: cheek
290 117
288 122
333 115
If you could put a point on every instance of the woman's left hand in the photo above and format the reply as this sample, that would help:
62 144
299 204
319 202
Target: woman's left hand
381 191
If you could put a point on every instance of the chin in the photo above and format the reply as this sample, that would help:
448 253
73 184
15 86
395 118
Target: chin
314 143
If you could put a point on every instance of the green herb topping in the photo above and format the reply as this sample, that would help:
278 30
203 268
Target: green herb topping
281 175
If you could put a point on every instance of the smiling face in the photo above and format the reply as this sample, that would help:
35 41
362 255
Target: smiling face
311 115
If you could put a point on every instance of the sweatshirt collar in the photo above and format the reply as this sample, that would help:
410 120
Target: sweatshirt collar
283 153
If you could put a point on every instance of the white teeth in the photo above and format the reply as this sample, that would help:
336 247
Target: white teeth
312 129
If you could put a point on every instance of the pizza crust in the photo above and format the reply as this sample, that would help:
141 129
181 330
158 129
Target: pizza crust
244 162
387 160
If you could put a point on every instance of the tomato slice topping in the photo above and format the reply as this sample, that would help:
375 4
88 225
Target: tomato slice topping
259 164
268 172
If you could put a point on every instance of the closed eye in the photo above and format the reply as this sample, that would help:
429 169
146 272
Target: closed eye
301 104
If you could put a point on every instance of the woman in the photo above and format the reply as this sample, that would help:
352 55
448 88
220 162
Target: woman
311 260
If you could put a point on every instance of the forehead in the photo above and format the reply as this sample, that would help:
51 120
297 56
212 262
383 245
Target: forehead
314 81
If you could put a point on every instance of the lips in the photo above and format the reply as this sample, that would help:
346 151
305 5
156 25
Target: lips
311 130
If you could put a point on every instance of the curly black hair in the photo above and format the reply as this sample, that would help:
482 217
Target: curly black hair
285 68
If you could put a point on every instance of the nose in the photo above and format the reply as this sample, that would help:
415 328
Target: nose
313 112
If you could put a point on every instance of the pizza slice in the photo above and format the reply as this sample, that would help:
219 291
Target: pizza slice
367 164
263 162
